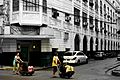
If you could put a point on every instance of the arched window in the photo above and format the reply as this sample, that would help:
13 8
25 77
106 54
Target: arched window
45 6
96 5
100 7
15 5
105 11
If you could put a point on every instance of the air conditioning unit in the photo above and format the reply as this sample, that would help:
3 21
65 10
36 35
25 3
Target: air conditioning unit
85 23
77 20
91 26
67 18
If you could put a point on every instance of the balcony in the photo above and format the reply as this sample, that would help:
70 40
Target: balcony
26 18
25 15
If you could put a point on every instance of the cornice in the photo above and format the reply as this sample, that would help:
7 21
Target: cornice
111 4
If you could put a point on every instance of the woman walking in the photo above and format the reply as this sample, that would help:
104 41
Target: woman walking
16 63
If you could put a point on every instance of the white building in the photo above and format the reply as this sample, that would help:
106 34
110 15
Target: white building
38 27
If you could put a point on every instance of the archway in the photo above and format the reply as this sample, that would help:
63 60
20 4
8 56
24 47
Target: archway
77 43
91 47
114 46
105 46
85 45
108 45
101 44
111 46
96 44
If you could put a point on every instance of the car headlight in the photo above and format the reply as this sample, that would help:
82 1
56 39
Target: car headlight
74 58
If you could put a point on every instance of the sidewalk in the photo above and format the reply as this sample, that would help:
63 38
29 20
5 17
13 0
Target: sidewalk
35 68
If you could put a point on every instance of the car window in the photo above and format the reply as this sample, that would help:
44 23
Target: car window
74 53
68 54
80 53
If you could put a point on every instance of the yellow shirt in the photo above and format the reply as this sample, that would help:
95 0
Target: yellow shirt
69 68
55 60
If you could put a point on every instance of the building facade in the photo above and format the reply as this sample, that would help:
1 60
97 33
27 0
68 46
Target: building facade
36 28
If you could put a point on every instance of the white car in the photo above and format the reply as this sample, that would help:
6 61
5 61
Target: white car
75 57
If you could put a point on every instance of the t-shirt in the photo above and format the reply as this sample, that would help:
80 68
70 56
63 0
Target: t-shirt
69 68
55 61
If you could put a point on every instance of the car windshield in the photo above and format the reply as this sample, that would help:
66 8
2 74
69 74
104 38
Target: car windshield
99 52
69 54
80 53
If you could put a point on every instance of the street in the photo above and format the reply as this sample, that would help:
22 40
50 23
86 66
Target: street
94 70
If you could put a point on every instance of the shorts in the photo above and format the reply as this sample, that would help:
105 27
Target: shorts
54 68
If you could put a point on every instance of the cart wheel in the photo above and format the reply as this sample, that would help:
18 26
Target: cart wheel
62 76
30 74
22 74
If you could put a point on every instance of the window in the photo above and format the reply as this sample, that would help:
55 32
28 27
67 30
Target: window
44 6
101 28
76 16
105 30
55 13
31 5
105 11
67 17
84 19
111 15
100 7
80 53
66 36
108 14
96 25
91 22
15 5
85 0
96 5
91 19
91 3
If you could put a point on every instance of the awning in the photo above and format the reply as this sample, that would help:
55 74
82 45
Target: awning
27 37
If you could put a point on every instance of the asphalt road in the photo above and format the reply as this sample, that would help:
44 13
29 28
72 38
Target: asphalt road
94 70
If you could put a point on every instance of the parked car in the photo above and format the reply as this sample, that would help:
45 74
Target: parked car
99 55
75 57
111 54
118 57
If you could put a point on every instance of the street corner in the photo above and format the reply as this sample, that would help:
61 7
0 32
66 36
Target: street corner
6 68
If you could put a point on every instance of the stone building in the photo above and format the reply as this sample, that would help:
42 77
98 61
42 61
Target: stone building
36 28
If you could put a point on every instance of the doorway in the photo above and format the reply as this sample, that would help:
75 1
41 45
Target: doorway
77 43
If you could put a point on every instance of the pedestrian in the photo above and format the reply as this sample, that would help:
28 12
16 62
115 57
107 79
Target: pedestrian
55 63
16 63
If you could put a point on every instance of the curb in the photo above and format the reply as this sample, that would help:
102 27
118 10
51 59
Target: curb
36 69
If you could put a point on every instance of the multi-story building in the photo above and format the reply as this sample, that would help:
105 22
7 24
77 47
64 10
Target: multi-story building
38 27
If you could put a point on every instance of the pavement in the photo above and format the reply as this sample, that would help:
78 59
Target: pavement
35 68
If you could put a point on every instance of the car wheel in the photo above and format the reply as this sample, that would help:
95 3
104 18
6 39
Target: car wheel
78 62
86 61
